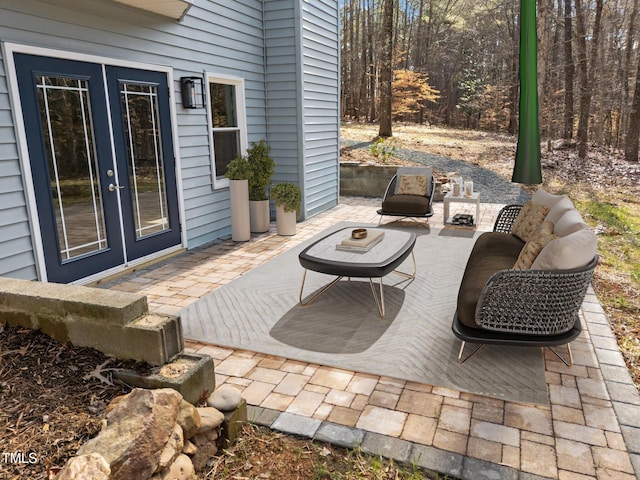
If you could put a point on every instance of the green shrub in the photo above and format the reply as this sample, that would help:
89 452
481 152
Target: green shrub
238 169
383 148
288 196
262 167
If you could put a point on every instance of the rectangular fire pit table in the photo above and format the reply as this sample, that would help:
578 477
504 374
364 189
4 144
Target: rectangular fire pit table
382 259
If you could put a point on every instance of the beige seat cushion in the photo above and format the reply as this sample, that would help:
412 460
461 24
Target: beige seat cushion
571 251
570 222
528 220
542 197
412 185
534 246
559 209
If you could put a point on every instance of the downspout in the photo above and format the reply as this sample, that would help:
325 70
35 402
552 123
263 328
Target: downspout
264 75
302 171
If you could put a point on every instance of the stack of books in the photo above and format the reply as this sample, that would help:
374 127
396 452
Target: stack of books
462 219
349 244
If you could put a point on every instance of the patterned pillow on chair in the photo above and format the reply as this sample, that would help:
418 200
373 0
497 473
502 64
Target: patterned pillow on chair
412 185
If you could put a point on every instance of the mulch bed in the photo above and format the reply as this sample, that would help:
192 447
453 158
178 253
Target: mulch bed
52 397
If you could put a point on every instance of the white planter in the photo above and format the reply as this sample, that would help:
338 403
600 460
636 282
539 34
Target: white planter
285 222
259 215
239 192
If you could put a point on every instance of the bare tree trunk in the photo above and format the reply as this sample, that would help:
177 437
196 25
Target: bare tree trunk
631 37
386 70
513 80
418 46
370 65
567 133
587 75
544 41
633 132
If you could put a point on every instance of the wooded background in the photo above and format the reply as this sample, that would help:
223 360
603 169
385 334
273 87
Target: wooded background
455 63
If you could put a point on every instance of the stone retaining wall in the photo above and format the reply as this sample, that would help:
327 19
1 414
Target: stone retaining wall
371 180
115 323
365 180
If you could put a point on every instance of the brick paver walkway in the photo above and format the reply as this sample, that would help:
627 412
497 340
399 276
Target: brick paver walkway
590 430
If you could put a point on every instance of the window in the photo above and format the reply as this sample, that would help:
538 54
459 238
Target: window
227 123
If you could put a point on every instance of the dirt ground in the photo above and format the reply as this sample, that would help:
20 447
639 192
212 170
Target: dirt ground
604 170
52 396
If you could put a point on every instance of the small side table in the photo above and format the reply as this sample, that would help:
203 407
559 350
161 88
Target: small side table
449 198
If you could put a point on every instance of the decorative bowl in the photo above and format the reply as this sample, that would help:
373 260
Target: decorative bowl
359 233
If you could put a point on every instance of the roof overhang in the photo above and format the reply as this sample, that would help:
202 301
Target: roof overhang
167 8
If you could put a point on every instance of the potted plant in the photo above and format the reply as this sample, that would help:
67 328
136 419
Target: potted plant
287 197
262 167
238 173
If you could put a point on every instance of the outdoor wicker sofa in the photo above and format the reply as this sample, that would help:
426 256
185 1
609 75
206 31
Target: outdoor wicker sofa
527 291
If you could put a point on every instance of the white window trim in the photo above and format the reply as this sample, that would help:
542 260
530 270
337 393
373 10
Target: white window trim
241 108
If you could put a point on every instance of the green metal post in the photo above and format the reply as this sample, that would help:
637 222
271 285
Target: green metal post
527 169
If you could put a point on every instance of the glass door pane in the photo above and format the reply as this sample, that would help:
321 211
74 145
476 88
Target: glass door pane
145 158
72 162
143 144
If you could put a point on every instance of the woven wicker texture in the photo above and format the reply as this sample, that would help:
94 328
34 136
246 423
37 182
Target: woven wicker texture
506 217
533 302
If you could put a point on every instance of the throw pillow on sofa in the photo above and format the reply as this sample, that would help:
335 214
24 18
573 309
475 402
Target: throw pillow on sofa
569 223
571 251
542 197
529 220
559 209
534 246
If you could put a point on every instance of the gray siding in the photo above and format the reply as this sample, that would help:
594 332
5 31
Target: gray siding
301 40
282 88
215 36
321 66
16 250
286 51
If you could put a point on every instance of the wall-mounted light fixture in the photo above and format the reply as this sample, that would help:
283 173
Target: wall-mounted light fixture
192 92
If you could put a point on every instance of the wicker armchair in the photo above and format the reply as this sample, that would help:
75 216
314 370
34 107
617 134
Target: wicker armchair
527 307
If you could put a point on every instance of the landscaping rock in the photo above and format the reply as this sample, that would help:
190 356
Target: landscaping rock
203 455
210 418
181 469
233 422
188 419
172 449
189 448
225 398
201 439
85 467
137 430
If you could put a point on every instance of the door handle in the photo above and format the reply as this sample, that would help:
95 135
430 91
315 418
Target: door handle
113 188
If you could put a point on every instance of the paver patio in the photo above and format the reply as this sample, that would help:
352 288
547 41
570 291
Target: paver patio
590 430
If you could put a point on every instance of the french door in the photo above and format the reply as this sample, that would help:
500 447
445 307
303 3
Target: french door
101 156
